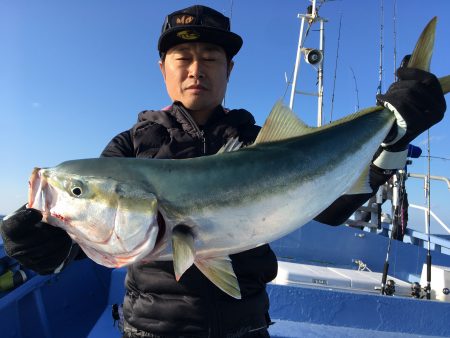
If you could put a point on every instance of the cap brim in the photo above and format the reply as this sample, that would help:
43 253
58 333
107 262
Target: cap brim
229 41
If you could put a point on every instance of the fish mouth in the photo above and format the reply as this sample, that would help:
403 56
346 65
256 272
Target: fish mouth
38 196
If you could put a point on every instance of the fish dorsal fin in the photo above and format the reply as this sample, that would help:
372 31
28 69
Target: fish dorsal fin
183 249
281 124
220 272
232 144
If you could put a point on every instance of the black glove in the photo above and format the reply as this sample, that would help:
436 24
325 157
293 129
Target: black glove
34 244
418 103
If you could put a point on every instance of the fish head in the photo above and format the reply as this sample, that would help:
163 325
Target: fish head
114 223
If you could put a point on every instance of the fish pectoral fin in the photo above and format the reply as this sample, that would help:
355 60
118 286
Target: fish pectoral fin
232 144
362 185
220 272
183 249
282 124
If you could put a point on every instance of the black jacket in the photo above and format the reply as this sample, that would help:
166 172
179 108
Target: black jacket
154 301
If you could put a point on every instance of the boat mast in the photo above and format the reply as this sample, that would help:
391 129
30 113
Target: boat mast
312 56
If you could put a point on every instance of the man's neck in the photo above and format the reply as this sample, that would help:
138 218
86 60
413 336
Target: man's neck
201 117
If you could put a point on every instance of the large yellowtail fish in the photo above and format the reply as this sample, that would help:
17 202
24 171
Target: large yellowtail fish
214 206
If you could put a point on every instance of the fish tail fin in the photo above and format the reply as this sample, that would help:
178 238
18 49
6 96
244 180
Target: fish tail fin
423 51
421 56
445 83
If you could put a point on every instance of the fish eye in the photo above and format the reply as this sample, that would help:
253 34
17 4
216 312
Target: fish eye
75 188
77 191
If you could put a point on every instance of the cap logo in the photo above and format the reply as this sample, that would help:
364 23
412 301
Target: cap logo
184 19
188 35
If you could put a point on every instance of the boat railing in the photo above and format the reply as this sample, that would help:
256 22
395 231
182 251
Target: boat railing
433 215
424 209
439 243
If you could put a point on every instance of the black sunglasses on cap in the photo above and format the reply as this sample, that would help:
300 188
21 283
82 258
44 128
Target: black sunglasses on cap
184 19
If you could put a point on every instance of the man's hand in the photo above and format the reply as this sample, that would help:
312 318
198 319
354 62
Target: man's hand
418 103
36 245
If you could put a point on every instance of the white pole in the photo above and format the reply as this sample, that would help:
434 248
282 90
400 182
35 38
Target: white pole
320 80
297 64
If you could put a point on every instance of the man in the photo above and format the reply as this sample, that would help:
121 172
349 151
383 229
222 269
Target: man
196 49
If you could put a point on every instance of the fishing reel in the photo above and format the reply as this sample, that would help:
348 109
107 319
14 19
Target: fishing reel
390 288
416 290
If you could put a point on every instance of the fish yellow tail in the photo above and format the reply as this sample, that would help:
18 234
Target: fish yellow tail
445 83
421 56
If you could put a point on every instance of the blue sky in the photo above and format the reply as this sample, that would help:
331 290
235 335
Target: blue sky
75 73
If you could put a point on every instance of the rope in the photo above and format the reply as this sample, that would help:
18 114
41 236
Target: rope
436 157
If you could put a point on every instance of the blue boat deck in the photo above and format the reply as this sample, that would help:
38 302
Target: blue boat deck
77 302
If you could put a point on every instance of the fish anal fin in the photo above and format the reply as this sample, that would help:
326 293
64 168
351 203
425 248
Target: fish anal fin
220 272
362 185
183 249
281 124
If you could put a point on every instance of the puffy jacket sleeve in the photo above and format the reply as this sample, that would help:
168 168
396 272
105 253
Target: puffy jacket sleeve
120 146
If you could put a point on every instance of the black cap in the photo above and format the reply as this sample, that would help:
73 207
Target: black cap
198 24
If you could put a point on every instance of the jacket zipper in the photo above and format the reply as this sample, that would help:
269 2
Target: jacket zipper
198 132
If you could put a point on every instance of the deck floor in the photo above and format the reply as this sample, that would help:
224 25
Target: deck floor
289 329
281 329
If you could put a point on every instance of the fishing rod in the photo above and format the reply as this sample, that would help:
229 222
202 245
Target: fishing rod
398 187
394 24
380 72
379 200
335 68
428 194
398 222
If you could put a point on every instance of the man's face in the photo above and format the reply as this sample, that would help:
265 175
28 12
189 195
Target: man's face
196 74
